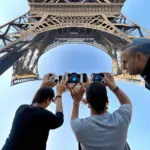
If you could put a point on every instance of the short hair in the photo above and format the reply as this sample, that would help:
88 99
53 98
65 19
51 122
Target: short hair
96 95
141 45
43 94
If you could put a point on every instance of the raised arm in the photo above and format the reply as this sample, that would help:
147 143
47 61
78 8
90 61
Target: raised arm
77 95
48 81
55 120
60 88
110 82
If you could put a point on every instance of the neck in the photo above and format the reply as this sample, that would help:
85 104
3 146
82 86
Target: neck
42 105
146 70
93 112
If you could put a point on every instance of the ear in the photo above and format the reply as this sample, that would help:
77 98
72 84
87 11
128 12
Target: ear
107 101
86 100
139 56
48 100
89 106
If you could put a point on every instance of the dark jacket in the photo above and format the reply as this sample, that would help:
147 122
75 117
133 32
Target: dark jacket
146 74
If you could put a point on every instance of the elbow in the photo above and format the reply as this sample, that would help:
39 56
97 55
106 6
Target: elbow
59 123
129 102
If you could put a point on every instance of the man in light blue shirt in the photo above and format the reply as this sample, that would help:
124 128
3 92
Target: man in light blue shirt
102 130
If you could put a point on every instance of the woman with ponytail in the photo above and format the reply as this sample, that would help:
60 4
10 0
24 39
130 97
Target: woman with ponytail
32 123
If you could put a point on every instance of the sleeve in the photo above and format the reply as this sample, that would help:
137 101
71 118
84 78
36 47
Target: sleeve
79 127
125 113
54 121
147 85
127 147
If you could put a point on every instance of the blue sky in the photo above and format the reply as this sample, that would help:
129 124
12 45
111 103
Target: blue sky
88 59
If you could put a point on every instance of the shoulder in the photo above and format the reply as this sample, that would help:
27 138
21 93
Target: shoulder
79 124
80 121
23 106
147 85
123 114
81 128
124 109
22 109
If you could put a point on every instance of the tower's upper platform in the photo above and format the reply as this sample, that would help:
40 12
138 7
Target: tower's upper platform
90 1
76 7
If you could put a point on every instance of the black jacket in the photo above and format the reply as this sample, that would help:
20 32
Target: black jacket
146 74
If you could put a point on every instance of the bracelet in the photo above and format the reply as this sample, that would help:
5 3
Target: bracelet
58 96
75 103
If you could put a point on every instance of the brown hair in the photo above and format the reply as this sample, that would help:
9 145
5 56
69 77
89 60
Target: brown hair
43 94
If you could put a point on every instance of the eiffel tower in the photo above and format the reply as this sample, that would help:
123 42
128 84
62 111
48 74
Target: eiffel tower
50 23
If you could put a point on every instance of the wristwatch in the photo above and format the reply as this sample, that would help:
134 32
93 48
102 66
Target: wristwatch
58 96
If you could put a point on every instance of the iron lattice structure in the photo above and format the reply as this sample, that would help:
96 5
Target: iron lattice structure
50 23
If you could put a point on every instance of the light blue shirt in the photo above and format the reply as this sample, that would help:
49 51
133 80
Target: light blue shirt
104 132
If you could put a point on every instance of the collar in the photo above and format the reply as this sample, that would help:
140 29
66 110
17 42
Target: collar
146 73
101 115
